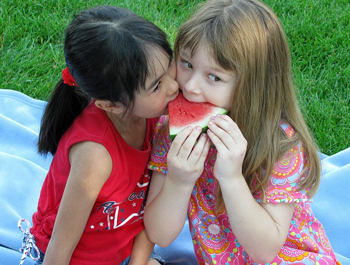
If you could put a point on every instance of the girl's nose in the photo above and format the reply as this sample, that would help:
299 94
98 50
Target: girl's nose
192 86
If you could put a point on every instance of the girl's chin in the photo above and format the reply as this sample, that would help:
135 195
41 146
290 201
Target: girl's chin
164 112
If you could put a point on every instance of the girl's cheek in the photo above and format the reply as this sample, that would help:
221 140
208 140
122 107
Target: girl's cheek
179 74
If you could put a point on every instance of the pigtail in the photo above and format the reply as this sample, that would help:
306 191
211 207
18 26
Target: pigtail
65 104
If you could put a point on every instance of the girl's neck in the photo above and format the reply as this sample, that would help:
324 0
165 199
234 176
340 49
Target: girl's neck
131 128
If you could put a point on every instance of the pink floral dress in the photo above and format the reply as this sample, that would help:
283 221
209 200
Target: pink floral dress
212 237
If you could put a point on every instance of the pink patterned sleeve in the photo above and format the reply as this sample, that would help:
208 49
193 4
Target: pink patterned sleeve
283 184
161 146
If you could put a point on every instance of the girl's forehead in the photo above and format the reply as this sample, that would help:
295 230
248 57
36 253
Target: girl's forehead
191 41
159 63
202 49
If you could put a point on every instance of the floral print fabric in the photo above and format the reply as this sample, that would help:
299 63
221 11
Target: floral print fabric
212 237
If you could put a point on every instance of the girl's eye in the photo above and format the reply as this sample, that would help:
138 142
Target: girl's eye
187 64
156 88
214 78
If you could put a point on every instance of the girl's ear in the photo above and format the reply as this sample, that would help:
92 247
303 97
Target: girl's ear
106 105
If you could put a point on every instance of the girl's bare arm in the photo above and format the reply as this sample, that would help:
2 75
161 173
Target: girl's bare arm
91 166
168 199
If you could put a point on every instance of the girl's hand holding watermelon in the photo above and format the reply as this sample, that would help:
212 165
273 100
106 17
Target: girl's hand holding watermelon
187 155
231 147
183 164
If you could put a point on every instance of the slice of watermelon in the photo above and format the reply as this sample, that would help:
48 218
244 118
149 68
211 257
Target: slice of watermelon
183 113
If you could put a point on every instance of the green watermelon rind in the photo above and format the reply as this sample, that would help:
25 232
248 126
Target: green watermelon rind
203 124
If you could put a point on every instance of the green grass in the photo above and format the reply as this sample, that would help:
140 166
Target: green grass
318 33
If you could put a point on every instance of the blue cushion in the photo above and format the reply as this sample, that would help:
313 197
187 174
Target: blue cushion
22 173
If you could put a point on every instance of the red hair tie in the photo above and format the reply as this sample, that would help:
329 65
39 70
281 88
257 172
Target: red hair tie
68 78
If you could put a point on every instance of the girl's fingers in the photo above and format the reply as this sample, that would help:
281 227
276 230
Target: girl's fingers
220 135
224 117
227 130
228 147
200 150
189 143
179 140
206 149
215 140
185 141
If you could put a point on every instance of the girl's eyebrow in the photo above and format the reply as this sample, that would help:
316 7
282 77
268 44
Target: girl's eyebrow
183 53
157 79
219 70
154 82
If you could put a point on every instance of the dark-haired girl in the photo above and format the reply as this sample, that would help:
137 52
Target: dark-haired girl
98 125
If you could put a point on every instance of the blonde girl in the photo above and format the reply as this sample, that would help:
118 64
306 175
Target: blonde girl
246 185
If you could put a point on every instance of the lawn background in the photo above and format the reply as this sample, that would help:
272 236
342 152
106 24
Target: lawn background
318 32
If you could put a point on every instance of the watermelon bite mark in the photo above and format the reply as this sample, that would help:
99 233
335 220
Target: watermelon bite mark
183 113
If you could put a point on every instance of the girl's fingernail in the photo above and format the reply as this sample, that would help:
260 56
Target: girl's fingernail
210 123
212 118
189 128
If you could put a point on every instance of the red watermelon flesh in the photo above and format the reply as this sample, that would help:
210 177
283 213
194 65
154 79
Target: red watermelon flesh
183 113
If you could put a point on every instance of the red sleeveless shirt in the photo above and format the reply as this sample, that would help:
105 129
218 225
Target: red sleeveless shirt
117 215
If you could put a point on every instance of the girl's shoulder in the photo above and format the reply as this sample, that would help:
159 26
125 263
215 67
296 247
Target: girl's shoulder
283 183
287 128
162 122
161 131
161 146
90 161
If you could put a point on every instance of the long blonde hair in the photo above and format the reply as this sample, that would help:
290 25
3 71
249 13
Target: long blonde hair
246 36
